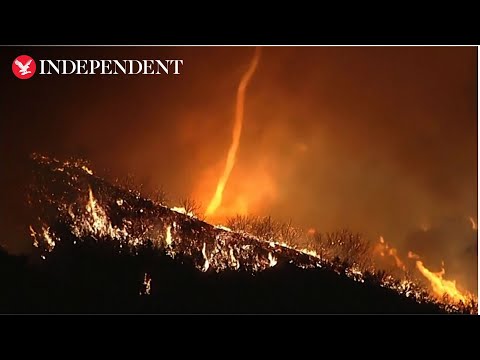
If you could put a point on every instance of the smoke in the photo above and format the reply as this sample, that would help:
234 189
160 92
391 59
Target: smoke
237 131
381 140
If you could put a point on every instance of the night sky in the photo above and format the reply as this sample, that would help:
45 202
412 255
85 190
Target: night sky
381 140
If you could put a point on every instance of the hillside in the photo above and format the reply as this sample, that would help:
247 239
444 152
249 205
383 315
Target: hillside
102 248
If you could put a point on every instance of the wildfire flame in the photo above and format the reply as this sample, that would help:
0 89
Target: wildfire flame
146 285
216 201
272 260
213 248
96 212
206 265
440 285
87 170
182 210
168 236
384 249
49 239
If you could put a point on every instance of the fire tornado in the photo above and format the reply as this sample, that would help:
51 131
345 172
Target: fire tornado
216 200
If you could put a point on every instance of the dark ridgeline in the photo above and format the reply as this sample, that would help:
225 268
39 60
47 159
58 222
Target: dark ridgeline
94 275
95 278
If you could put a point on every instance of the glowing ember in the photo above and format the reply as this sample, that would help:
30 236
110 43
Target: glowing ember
44 236
310 252
99 217
182 210
48 238
237 131
33 234
146 285
272 260
168 236
206 265
221 227
87 170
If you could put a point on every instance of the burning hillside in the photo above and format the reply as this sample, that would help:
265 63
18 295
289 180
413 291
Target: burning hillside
73 207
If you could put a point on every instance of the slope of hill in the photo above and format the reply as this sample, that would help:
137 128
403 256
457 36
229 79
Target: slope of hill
102 248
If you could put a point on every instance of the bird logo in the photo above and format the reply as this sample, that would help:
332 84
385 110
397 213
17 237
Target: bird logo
23 67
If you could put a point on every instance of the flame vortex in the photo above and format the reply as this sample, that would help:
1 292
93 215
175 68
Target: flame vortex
237 131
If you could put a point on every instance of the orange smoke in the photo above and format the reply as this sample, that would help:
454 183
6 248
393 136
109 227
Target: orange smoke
216 200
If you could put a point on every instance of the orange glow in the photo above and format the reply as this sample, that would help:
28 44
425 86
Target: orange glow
251 191
472 221
168 236
425 227
412 255
398 262
383 249
216 201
